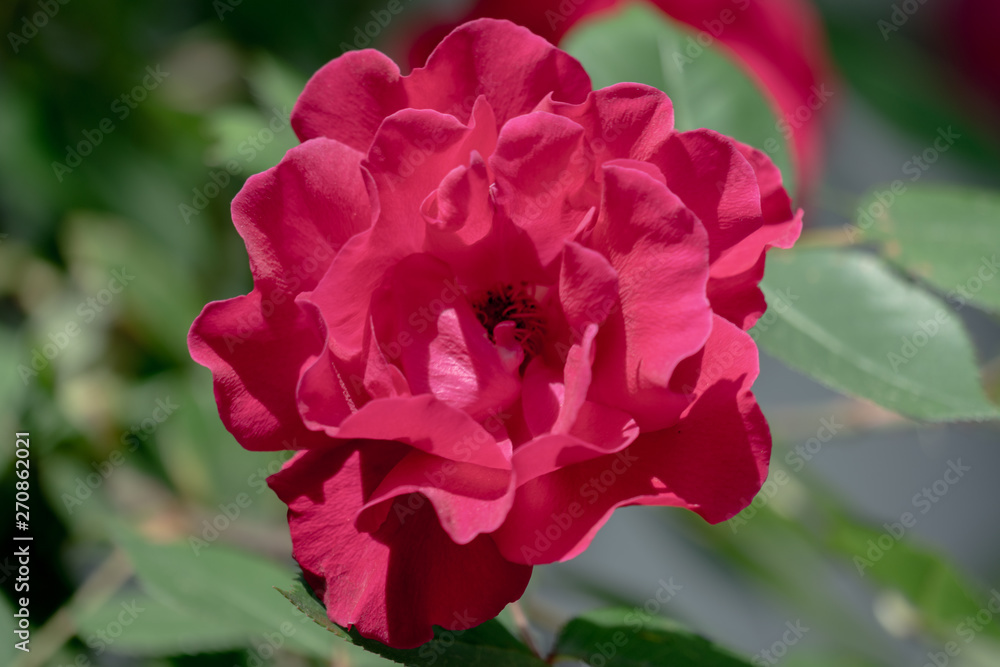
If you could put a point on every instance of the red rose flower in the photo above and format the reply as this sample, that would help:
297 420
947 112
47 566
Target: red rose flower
490 306
780 42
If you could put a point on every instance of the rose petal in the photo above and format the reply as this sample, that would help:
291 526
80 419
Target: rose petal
733 289
729 354
713 179
541 169
257 401
660 251
350 97
469 500
296 215
512 67
588 288
432 427
461 206
782 43
553 398
713 461
331 389
396 584
744 216
625 120
413 152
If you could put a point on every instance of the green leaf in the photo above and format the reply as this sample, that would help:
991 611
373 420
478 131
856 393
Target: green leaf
487 644
642 44
219 582
824 660
140 624
939 591
620 637
307 603
947 236
153 627
848 321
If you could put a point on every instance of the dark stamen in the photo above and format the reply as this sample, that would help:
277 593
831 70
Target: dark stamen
513 303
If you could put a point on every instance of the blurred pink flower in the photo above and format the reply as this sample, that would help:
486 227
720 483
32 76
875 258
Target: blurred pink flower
970 37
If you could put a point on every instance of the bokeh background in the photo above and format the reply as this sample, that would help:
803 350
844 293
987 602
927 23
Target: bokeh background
107 257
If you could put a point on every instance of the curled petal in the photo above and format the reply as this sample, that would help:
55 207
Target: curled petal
659 250
432 427
469 500
555 515
513 69
542 169
257 402
395 584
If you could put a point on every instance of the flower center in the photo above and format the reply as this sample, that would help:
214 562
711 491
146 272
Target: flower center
517 304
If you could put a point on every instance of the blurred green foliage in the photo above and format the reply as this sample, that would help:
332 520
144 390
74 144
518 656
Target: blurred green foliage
126 130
